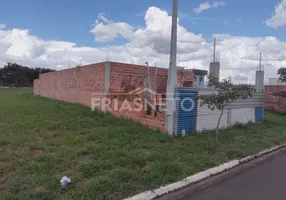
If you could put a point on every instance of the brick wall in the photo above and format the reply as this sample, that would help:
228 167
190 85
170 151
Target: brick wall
134 75
80 85
272 102
72 85
125 78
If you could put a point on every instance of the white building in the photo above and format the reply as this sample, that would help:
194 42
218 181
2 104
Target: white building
275 81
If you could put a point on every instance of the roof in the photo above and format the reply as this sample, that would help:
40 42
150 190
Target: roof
200 72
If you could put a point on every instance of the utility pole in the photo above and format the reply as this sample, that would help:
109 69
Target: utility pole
172 73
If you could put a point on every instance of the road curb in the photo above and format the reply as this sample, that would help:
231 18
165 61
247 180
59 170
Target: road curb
152 194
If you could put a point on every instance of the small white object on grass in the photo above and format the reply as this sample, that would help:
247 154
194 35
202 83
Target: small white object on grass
65 181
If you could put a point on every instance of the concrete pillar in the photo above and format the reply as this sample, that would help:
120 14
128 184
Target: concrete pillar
215 64
106 82
77 84
68 85
40 82
215 69
39 85
59 79
156 80
259 81
55 84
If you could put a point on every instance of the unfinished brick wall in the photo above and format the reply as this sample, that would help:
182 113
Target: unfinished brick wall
72 85
129 74
272 102
81 85
125 78
91 81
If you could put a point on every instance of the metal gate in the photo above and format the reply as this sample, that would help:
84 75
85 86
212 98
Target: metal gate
186 111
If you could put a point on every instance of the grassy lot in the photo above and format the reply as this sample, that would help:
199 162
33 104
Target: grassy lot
42 140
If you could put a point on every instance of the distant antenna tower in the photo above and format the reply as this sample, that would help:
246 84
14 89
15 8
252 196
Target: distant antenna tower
215 56
214 49
260 68
259 77
215 64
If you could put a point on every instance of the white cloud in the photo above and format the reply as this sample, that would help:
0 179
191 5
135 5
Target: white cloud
2 26
207 5
156 34
278 19
106 30
24 45
240 77
239 54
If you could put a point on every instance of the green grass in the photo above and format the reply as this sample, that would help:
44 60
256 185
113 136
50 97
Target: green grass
42 140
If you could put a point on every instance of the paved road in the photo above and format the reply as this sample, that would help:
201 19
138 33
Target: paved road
266 181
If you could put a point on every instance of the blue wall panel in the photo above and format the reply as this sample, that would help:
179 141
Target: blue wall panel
187 111
259 114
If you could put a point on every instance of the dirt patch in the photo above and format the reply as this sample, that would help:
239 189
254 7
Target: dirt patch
34 153
4 163
85 159
145 168
20 159
241 137
3 143
10 172
50 132
145 151
51 121
83 184
39 188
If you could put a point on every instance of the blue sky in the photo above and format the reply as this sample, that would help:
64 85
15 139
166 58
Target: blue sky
71 20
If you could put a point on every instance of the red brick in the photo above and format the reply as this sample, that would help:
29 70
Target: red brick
91 80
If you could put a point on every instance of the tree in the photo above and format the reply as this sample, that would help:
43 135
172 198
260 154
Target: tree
282 78
13 74
282 74
227 94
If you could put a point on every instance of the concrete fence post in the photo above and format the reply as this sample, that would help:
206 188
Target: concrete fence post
39 86
106 81
156 79
49 87
77 84
55 83
68 87
59 85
